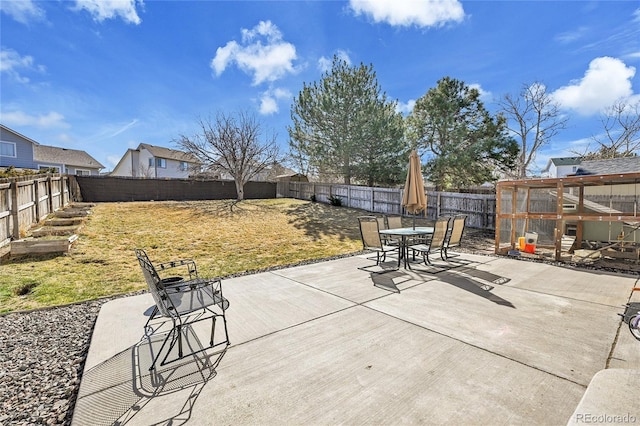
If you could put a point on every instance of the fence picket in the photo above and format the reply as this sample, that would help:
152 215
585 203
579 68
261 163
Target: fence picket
24 201
479 208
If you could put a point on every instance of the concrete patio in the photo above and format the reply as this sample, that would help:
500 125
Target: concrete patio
491 341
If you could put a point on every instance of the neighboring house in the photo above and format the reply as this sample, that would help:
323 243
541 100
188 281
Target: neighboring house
24 153
561 167
574 166
156 162
268 174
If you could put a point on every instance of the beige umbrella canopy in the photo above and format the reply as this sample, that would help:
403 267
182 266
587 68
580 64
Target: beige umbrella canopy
414 199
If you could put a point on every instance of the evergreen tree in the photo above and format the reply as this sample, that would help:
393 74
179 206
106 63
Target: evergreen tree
467 145
345 126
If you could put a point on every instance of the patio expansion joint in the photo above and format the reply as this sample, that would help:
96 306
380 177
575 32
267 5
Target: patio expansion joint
353 305
337 295
364 305
478 347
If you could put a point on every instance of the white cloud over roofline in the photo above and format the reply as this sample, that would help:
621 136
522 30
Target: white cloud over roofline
405 13
111 9
606 81
263 54
18 118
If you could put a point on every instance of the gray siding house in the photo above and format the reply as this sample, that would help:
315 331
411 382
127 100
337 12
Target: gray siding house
24 153
156 162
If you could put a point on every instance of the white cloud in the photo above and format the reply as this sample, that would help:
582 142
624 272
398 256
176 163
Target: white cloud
111 9
485 96
422 13
324 63
405 108
571 36
18 118
263 54
606 81
22 11
269 100
12 63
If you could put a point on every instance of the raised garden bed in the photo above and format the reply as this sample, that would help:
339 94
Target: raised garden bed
29 246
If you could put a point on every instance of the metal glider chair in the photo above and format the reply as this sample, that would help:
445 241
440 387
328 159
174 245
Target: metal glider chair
370 233
185 300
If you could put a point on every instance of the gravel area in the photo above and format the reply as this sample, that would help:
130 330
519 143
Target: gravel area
42 356
43 352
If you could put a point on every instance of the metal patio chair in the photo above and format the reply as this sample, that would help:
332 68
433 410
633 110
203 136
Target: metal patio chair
371 240
185 300
455 234
436 243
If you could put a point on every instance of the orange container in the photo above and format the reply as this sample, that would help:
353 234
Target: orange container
530 248
521 243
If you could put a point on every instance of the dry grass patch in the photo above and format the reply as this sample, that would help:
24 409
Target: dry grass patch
223 237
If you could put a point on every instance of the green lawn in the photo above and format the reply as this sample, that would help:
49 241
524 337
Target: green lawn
223 237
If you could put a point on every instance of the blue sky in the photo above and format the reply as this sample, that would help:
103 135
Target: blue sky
106 75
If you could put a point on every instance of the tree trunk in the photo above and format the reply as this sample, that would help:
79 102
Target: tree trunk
239 190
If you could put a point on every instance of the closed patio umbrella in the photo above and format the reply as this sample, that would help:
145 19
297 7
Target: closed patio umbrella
414 200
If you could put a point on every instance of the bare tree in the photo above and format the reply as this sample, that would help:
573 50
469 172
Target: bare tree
621 137
144 171
534 118
232 143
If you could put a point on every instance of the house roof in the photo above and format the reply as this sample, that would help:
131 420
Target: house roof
566 161
613 165
18 134
561 161
69 157
169 154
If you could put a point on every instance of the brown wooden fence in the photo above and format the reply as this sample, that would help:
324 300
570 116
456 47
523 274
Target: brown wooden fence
479 208
26 200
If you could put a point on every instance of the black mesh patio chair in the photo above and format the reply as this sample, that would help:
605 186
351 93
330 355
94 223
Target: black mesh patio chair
185 300
371 240
435 243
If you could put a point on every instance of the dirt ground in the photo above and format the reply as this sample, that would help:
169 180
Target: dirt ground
477 241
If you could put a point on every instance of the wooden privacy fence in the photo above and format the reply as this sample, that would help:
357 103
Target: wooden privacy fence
25 201
479 208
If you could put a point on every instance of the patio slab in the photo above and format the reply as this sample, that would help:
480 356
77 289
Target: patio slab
481 343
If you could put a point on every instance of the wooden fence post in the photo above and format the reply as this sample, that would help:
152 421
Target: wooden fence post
50 193
14 209
36 195
373 204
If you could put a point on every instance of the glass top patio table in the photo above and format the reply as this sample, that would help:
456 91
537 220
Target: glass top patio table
404 233
408 232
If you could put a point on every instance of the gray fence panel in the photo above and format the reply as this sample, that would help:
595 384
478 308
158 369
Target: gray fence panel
114 189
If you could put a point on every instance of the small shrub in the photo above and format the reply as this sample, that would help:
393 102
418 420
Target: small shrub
334 200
